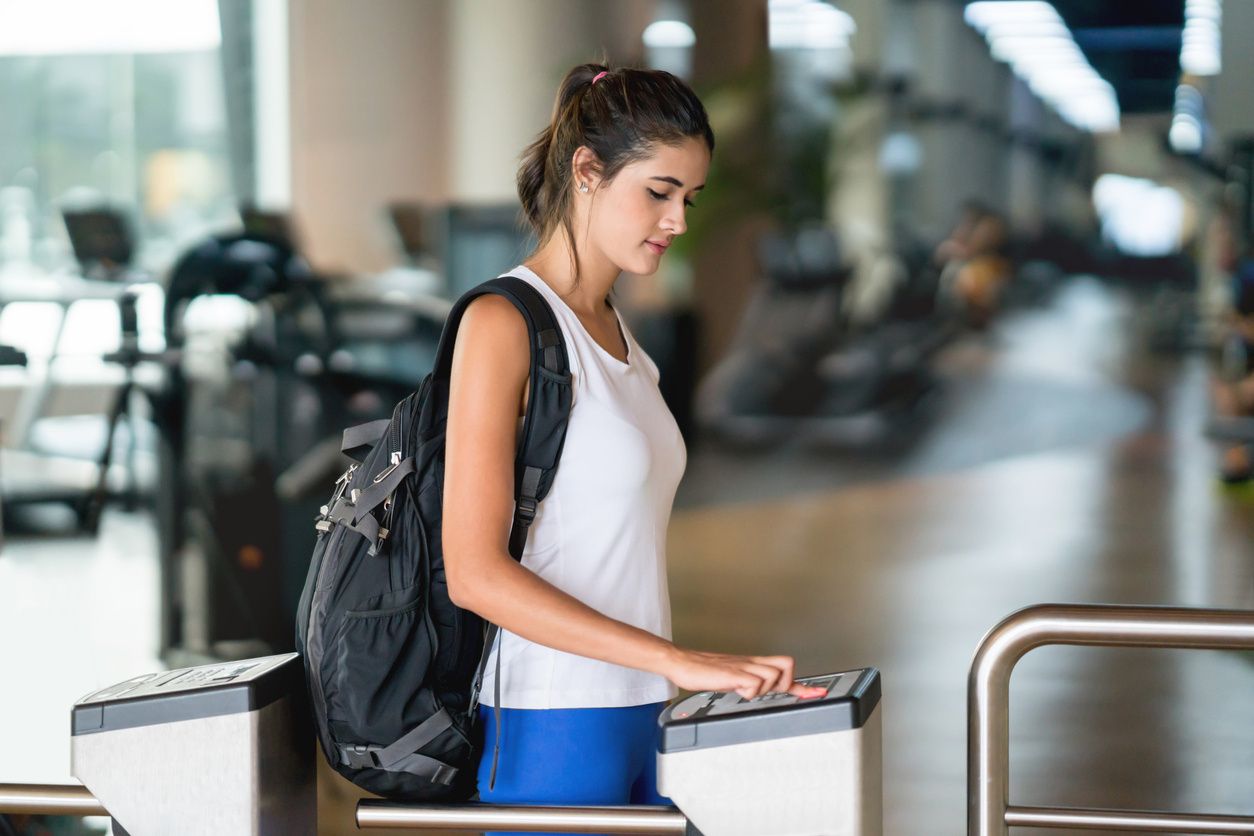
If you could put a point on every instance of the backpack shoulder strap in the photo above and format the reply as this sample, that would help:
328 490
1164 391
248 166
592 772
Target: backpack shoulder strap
548 406
547 344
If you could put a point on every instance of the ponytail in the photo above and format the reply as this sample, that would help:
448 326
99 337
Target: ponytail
531 177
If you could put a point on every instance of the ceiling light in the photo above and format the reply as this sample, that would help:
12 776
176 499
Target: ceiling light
669 34
988 13
1140 217
1185 136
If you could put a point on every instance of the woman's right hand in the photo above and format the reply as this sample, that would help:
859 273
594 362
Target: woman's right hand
748 676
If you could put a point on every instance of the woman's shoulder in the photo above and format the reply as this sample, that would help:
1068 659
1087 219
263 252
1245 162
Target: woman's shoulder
493 331
495 311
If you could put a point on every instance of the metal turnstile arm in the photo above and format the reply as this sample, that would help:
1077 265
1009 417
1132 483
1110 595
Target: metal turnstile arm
526 819
49 800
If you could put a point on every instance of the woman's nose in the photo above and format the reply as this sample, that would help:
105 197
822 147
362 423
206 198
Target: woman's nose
675 222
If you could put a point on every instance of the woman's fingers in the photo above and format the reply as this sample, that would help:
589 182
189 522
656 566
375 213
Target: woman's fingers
748 676
806 692
774 673
784 664
769 675
749 687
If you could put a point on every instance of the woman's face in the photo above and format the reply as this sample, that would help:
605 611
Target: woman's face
635 217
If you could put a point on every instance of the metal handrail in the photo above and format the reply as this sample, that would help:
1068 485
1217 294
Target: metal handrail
1135 821
529 819
76 800
988 705
49 800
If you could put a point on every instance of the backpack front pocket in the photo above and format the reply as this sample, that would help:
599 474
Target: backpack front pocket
381 658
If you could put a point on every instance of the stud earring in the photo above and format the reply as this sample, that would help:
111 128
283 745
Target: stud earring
583 187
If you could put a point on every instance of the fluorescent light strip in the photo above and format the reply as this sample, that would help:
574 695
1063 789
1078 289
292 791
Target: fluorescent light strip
983 15
808 24
1200 41
1033 39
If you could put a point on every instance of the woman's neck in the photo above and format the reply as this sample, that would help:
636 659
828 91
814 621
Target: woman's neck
554 264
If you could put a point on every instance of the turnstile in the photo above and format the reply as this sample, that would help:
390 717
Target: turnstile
226 748
206 750
778 765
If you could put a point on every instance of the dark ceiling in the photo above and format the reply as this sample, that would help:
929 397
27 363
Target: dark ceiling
1133 44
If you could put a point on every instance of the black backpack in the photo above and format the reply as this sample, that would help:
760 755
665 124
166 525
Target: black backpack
393 666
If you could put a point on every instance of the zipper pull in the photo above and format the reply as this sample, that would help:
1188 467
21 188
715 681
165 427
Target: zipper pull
396 461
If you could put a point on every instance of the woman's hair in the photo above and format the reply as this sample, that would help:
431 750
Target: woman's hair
621 118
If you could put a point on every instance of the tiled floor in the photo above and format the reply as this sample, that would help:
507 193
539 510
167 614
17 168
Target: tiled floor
1066 464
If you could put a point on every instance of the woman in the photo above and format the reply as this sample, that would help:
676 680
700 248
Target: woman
587 662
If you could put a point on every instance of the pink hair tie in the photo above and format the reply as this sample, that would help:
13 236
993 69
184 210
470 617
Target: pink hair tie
600 75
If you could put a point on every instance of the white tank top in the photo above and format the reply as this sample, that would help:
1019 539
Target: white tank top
600 534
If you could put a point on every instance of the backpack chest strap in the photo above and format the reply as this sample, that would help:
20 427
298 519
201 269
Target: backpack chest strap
344 512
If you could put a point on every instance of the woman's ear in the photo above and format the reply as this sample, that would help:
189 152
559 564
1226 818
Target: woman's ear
586 168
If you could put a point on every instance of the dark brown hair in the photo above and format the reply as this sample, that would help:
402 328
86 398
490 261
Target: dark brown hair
620 119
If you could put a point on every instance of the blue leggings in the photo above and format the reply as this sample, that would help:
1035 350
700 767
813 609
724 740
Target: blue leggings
579 756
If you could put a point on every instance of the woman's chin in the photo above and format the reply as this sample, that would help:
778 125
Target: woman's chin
647 266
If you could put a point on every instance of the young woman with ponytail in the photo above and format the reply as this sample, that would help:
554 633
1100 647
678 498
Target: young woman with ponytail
587 660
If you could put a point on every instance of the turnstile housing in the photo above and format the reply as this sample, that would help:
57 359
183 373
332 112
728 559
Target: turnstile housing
777 765
215 749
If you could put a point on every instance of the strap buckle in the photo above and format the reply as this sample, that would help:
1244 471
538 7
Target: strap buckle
444 775
359 756
526 509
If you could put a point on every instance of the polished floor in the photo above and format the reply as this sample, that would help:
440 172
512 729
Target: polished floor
1064 462
1069 466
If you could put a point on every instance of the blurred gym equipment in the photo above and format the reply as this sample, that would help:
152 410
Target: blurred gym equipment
272 362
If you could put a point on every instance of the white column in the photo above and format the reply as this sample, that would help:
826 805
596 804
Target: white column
859 205
272 97
952 67
506 61
369 122
1231 96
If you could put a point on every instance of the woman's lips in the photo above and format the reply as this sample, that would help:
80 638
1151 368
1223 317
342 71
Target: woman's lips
657 248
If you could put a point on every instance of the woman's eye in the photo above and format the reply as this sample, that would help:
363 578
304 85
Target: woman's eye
659 196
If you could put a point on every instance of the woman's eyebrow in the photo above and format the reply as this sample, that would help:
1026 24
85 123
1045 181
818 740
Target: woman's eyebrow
675 182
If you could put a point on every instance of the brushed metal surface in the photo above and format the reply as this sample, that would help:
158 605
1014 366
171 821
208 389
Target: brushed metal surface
527 819
988 720
1127 820
249 774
